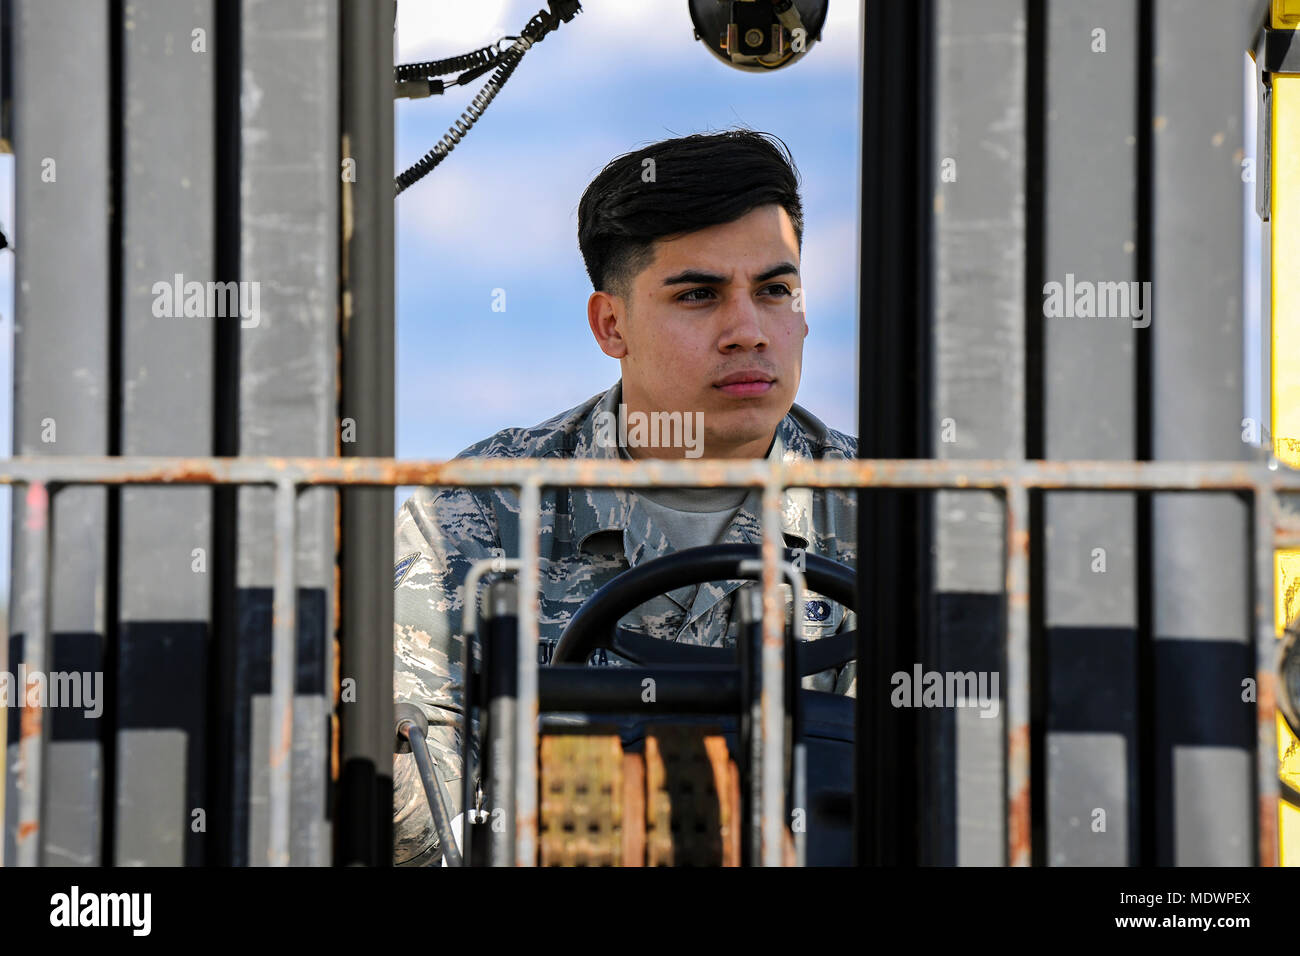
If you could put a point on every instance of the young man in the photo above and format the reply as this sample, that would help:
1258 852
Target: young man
693 249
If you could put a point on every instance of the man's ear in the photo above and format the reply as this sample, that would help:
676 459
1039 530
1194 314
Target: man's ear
606 314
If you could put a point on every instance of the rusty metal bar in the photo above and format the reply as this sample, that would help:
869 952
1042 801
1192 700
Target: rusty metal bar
1017 677
918 474
798 585
1265 505
500 709
1010 478
36 657
530 512
749 653
283 660
772 796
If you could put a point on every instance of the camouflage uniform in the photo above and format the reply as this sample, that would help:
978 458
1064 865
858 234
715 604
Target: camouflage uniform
588 536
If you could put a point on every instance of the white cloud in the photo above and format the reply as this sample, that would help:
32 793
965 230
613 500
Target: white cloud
468 210
431 29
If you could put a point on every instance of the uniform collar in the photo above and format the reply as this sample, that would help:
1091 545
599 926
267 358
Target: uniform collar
596 510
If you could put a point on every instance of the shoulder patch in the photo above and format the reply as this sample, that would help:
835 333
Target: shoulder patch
816 611
403 567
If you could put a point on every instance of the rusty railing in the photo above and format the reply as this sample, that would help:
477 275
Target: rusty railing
1264 483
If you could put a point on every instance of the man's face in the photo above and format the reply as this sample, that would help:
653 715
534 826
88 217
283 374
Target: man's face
710 326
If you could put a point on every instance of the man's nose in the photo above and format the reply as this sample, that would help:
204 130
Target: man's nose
744 329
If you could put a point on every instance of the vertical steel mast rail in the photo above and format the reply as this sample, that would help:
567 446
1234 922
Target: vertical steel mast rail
1265 485
1277 201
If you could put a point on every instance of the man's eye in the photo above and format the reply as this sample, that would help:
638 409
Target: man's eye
704 294
687 296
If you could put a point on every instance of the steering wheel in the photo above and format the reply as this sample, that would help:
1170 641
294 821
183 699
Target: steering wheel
827 721
595 625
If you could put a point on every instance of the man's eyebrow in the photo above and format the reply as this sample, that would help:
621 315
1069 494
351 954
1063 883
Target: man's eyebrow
699 277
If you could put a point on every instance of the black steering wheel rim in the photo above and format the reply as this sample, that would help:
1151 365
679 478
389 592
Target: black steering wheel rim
595 625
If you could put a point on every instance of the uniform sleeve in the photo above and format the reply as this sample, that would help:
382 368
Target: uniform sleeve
439 535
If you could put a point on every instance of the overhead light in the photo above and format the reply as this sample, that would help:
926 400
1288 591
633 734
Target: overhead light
758 35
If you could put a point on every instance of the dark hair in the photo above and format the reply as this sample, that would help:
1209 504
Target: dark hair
701 180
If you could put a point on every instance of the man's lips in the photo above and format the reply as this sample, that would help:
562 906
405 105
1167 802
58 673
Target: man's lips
745 384
746 389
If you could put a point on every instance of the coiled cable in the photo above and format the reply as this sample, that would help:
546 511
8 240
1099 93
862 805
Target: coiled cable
485 56
416 80
541 24
433 157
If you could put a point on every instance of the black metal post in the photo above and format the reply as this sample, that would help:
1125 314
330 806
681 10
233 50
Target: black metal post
364 832
893 412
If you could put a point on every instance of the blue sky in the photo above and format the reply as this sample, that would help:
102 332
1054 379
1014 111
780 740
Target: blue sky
501 210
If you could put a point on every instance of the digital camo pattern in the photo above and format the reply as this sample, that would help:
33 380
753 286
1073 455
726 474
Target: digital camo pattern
588 536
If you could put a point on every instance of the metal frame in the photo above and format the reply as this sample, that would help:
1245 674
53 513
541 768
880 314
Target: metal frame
1011 481
894 409
1083 395
1277 73
368 357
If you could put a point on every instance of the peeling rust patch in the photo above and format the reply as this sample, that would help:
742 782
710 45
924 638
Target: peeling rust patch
280 753
1018 821
1266 696
1018 807
38 506
30 722
1268 810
